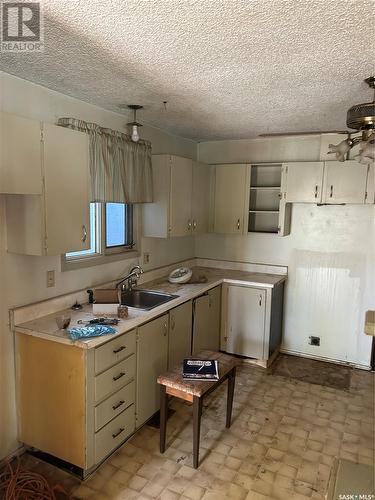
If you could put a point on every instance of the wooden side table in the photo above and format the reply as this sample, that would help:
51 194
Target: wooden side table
173 384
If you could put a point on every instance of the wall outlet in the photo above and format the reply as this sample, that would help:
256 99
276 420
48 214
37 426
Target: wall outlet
314 340
146 258
50 278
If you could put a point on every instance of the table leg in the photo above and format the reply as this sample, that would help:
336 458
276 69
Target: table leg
163 417
197 413
231 382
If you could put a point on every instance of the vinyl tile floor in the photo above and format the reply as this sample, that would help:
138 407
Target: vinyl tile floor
284 438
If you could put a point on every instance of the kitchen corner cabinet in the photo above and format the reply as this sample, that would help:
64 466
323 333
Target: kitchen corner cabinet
229 198
206 321
20 155
152 360
57 220
180 329
252 321
181 198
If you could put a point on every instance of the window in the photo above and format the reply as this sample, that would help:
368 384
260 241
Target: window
111 231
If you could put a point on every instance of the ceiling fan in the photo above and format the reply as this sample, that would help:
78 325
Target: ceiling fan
361 118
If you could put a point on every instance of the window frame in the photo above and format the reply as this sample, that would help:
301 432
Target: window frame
106 254
128 230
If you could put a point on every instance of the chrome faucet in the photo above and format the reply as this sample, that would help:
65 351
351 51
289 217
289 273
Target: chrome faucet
131 279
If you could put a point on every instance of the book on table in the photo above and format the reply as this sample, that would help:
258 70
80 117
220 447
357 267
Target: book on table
200 369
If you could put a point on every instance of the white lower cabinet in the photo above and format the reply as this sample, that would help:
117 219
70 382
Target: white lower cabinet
152 360
245 321
88 395
252 320
180 328
206 321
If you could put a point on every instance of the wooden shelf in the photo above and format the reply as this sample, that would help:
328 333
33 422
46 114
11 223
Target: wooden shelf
265 188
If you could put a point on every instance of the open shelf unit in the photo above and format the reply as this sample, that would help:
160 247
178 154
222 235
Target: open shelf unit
264 202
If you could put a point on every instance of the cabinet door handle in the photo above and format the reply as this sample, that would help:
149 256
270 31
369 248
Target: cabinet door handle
173 323
118 432
260 300
238 224
316 191
331 191
189 225
194 225
84 233
121 348
117 377
120 403
165 329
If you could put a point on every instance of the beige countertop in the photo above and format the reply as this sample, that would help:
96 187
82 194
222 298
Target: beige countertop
46 327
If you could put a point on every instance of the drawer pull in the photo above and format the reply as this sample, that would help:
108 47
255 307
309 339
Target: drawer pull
117 377
118 432
120 403
121 348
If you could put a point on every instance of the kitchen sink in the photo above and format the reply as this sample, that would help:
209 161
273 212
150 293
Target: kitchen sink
145 299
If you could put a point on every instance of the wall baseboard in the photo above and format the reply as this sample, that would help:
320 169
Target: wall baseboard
326 359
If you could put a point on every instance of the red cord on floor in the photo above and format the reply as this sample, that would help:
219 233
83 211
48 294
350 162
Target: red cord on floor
22 484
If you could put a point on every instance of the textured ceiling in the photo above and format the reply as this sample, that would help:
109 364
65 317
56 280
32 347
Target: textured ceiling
228 68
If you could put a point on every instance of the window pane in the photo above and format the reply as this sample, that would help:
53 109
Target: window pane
93 239
115 224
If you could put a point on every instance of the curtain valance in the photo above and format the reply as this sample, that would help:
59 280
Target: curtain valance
120 169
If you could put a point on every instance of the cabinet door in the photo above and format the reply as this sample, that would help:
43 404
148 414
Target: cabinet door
304 182
180 196
206 323
20 155
370 188
66 169
344 182
180 330
201 197
230 187
245 321
152 352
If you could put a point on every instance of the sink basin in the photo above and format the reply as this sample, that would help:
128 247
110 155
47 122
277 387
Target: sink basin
145 299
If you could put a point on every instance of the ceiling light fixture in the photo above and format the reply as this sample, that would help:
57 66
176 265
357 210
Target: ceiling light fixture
360 117
134 124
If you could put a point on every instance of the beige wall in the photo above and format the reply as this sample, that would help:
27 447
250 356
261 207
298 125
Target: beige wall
329 254
23 278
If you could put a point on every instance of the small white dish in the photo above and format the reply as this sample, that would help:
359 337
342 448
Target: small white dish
180 275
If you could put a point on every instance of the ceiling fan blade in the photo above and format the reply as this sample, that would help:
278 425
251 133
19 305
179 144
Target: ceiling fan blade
317 132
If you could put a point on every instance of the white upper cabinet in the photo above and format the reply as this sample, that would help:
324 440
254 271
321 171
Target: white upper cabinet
230 193
57 220
304 182
67 198
370 189
201 197
181 193
344 182
181 174
20 155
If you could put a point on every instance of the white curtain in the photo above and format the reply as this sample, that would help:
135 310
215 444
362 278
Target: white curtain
120 169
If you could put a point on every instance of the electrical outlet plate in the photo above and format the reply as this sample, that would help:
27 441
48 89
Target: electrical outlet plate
314 341
146 258
50 279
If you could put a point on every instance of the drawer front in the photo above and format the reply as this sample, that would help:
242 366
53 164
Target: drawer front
114 351
114 433
114 405
114 378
